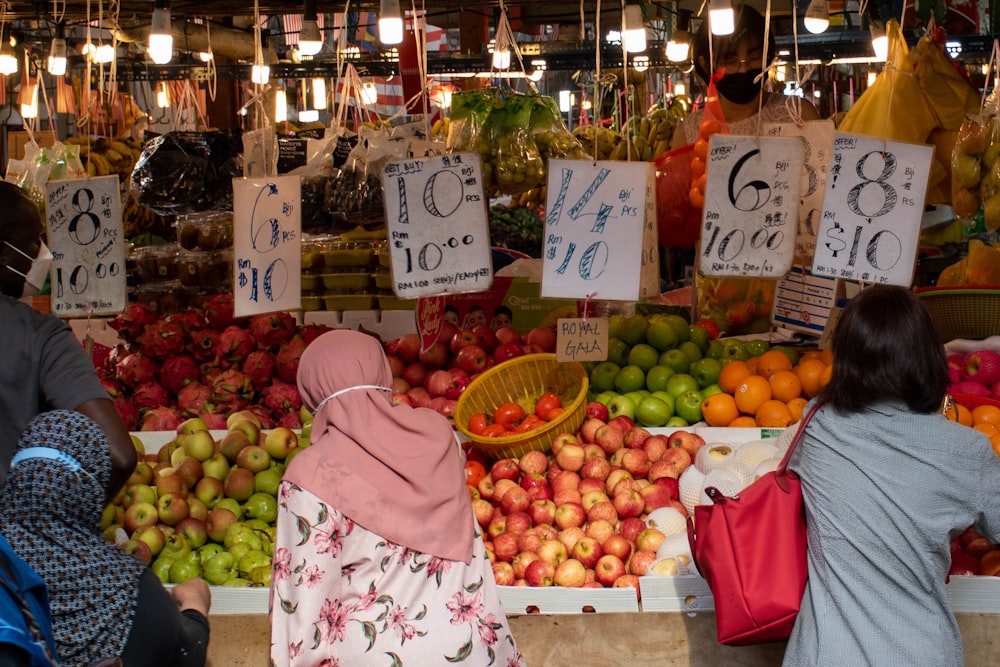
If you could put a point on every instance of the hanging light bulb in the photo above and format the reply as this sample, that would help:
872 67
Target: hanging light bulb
104 53
319 93
880 42
308 116
720 17
633 29
8 61
390 22
280 106
369 93
679 45
260 74
870 78
817 16
501 59
310 39
640 63
161 39
206 56
30 110
162 96
56 65
680 89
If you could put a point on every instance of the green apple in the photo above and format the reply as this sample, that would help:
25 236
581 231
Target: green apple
715 349
279 441
653 411
261 506
267 481
220 568
637 396
216 467
630 378
602 378
690 350
661 335
192 425
618 351
706 371
199 445
621 405
666 397
676 360
633 329
643 355
699 336
710 390
680 326
206 551
615 325
676 422
605 396
161 568
680 383
756 346
185 568
734 349
657 376
688 407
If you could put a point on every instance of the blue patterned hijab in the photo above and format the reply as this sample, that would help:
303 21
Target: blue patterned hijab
50 512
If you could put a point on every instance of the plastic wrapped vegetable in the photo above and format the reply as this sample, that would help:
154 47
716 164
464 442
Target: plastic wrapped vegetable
519 166
468 131
188 172
552 137
966 168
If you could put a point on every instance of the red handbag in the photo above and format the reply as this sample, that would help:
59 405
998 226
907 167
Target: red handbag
751 549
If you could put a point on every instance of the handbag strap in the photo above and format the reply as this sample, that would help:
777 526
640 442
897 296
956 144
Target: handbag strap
781 472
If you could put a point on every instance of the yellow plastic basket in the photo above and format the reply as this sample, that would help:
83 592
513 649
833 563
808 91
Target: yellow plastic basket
522 380
970 312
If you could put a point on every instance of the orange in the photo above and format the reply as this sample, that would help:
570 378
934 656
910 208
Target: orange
995 443
773 361
797 406
719 409
810 374
989 429
959 413
744 421
752 393
985 414
826 356
773 414
827 375
732 375
785 385
809 354
752 364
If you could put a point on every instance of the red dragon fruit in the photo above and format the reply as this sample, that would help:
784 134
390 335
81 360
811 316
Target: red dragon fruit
288 359
235 344
127 411
162 339
272 329
190 320
231 391
150 395
281 397
111 386
290 420
176 372
135 369
218 311
194 399
160 419
130 324
311 332
259 367
203 344
264 415
210 369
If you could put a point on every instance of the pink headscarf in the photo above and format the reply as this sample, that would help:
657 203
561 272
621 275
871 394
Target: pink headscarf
395 470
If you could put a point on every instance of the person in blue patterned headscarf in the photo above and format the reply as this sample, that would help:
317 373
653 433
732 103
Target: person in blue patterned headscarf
104 602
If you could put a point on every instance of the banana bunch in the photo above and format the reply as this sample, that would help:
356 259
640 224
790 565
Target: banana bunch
440 129
607 140
533 198
103 156
650 135
138 219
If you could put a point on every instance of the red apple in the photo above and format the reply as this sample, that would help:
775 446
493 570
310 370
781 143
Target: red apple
636 436
630 528
571 457
655 496
562 439
616 475
686 440
436 356
590 498
638 564
437 382
627 581
603 511
589 484
483 511
486 337
533 462
628 503
461 339
649 539
597 410
403 399
514 500
540 492
539 573
522 561
471 359
591 449
553 552
508 335
623 423
600 531
608 569
415 374
529 480
544 339
447 332
617 545
503 574
542 512
407 347
507 468
567 496
518 522
506 351
679 458
505 546
497 525
419 395
530 540
625 485
588 430
570 536
588 551
636 462
597 468
570 514
486 488
502 486
565 479
570 574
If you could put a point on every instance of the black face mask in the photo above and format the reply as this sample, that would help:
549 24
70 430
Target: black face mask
739 87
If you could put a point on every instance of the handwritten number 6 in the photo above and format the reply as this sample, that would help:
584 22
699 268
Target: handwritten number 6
754 194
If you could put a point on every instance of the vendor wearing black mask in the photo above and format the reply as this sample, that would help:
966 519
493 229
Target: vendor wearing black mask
741 54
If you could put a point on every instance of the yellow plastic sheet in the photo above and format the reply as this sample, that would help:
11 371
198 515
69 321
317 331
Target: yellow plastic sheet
981 266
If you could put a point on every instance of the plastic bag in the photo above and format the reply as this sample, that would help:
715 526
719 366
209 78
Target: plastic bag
188 172
966 168
552 137
981 266
677 219
519 166
737 305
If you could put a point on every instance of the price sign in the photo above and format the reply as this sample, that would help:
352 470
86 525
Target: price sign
582 339
802 301
817 138
267 246
439 238
871 210
751 206
600 231
88 246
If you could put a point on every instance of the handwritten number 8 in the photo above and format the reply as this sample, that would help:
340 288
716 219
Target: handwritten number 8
888 192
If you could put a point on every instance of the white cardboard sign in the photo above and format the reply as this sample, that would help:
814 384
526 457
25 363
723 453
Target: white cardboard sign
436 219
872 209
751 207
88 247
817 137
267 245
600 231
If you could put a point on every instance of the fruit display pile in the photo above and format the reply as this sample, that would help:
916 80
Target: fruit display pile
203 362
975 171
206 507
975 388
661 371
435 377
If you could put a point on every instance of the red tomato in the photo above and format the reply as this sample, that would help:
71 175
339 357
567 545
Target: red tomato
530 423
495 431
545 404
477 423
474 472
710 326
508 415
555 412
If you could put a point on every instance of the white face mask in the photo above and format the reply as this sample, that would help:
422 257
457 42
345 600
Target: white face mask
34 279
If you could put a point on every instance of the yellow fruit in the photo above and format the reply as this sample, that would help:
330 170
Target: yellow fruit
965 170
991 213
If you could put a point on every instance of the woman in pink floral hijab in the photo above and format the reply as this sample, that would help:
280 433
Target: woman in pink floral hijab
378 560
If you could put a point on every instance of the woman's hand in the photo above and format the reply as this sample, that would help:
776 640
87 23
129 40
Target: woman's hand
193 594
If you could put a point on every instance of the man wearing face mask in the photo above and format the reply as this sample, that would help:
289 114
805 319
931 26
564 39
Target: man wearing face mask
741 54
43 365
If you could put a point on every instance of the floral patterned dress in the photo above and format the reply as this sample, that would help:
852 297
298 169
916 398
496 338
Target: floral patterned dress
341 596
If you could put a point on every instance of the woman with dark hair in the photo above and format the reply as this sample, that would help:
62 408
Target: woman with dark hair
741 97
888 482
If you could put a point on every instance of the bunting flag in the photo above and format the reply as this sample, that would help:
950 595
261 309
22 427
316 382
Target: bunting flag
65 100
